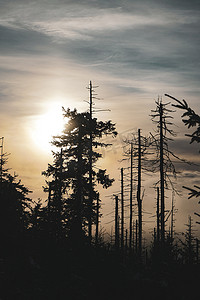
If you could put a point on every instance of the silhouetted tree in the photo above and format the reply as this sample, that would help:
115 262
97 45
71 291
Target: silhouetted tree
189 253
56 188
190 119
122 209
74 178
15 209
137 152
39 227
116 223
161 116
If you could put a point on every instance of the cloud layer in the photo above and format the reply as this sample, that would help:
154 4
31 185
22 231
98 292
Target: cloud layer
134 50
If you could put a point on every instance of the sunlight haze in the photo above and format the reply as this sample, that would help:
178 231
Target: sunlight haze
134 51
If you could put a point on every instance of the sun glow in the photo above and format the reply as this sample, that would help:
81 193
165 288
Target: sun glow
47 125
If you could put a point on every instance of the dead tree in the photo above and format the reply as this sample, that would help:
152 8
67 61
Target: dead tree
116 222
162 189
133 236
92 132
139 200
163 162
172 216
1 159
122 208
131 199
97 221
90 165
136 237
158 216
136 150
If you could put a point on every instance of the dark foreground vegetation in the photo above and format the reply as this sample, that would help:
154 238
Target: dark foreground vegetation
53 249
51 271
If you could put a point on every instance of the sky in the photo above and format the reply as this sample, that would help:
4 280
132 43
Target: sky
134 51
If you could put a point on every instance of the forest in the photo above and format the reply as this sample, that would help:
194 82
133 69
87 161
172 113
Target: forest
53 248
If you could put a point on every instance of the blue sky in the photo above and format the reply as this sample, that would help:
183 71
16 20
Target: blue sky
133 50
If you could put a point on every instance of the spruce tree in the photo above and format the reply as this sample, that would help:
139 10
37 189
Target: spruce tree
192 120
15 209
189 252
73 177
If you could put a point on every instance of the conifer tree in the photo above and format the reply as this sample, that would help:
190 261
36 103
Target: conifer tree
74 178
55 188
189 252
15 208
190 119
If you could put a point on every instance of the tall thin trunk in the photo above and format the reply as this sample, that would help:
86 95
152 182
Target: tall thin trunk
97 222
162 181
154 236
49 205
126 240
1 162
131 200
190 246
90 168
60 181
139 197
78 219
122 209
172 217
136 236
116 223
133 237
59 195
158 216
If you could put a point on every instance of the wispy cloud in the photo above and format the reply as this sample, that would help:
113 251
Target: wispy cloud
81 22
134 50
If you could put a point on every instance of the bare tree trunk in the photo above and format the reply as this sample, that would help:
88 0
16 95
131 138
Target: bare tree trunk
90 169
131 200
116 223
126 240
154 236
136 236
1 155
190 247
133 238
162 181
49 206
122 209
60 181
78 219
139 200
97 222
158 216
59 197
172 217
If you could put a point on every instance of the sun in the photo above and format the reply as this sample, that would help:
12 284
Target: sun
47 125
